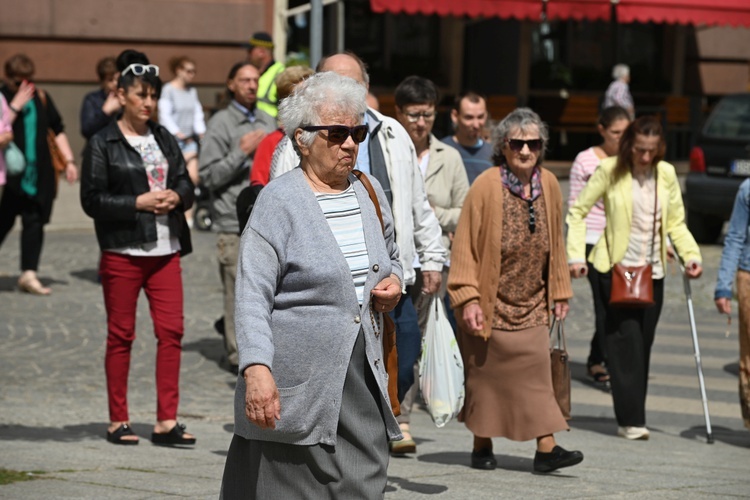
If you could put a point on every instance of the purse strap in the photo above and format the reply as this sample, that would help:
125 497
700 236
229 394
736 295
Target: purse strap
653 227
560 331
374 198
371 191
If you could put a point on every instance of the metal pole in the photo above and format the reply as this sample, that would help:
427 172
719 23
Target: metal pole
696 348
316 32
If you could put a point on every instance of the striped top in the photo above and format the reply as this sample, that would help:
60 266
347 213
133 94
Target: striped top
344 217
583 168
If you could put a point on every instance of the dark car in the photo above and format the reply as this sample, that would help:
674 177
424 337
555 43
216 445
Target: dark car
719 162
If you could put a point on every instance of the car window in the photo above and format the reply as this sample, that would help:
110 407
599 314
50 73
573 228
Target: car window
730 119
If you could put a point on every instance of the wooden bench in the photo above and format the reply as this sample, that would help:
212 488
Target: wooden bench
580 114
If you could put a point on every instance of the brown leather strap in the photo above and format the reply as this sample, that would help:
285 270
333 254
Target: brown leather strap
371 191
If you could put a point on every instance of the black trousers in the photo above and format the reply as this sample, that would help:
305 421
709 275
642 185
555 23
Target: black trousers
33 217
597 354
629 336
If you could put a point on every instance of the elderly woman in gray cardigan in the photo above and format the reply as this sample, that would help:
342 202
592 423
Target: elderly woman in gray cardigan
315 274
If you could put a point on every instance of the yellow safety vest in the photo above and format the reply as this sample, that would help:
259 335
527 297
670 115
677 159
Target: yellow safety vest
267 100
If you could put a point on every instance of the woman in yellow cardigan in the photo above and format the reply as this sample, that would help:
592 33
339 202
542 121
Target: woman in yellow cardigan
639 221
508 271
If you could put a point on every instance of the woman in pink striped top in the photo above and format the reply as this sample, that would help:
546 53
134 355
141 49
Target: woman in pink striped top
612 123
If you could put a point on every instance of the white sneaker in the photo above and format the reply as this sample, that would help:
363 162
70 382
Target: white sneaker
633 433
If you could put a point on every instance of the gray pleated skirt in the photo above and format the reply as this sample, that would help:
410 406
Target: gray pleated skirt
355 468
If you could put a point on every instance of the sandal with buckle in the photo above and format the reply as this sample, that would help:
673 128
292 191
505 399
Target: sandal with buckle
175 437
116 436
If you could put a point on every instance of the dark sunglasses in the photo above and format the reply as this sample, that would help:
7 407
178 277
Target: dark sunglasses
337 134
516 145
532 217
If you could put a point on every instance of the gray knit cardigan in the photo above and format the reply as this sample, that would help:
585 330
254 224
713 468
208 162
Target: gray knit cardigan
297 310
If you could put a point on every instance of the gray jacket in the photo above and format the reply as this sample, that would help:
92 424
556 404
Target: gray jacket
224 167
296 309
417 229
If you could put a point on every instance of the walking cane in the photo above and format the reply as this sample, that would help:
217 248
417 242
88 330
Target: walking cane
696 347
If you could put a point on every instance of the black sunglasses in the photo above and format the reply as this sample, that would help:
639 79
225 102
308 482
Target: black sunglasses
532 217
516 145
337 134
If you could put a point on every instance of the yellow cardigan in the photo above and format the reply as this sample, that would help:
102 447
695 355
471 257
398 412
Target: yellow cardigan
618 207
475 260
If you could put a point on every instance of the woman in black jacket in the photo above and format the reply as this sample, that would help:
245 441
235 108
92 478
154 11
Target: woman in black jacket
135 186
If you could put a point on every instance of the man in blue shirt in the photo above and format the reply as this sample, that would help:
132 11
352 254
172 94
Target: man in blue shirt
469 116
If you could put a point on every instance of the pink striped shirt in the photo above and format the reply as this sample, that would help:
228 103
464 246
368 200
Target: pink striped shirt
583 168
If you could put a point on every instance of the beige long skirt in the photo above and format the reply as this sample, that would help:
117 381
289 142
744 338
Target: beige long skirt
509 385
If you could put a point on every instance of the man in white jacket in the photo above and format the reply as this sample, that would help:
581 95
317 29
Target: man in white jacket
388 155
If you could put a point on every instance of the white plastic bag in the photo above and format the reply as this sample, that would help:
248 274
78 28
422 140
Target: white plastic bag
441 369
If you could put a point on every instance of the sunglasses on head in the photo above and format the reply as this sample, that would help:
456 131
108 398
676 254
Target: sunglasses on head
337 134
517 145
141 69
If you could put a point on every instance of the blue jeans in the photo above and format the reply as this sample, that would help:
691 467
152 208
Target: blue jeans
408 341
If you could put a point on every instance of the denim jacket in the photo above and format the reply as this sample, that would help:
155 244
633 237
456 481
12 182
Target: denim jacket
736 244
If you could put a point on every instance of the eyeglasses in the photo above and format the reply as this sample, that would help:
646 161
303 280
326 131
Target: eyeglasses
414 117
338 134
535 145
141 69
532 217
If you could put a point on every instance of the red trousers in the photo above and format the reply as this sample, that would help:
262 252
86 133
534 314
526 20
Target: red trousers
122 277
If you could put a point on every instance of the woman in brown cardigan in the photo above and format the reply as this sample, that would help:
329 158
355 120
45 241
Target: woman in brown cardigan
508 269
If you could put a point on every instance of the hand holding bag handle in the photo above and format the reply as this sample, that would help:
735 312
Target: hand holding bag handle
633 286
389 327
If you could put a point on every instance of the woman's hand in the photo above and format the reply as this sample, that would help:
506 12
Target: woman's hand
111 104
472 318
561 309
71 172
386 294
5 139
724 305
262 403
24 94
693 270
578 270
158 202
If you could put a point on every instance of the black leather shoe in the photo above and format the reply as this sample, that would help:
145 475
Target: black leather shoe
483 459
556 459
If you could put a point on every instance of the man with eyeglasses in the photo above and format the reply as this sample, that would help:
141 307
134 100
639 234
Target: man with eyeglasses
446 185
388 154
226 157
469 117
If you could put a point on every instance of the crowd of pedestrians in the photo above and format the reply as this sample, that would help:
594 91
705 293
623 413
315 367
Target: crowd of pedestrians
312 258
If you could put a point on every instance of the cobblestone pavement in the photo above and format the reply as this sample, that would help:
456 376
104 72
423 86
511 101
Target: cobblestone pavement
53 409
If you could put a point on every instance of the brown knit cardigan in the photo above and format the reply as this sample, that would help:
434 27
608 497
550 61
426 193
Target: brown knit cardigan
475 259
